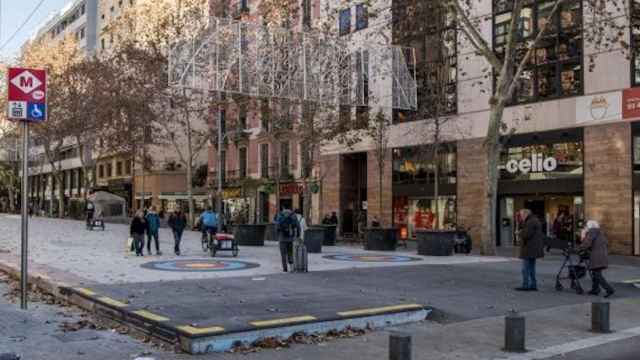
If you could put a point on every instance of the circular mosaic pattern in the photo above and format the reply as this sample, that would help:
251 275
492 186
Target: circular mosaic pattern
372 258
199 265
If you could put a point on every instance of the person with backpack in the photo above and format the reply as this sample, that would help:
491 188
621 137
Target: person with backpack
288 229
153 230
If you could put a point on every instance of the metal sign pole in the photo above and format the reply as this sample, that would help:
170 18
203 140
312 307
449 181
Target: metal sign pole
24 283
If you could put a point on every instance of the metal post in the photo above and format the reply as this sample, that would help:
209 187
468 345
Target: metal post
25 217
219 196
399 346
600 317
514 333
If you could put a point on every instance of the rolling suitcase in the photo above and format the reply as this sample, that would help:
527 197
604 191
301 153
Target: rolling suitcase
300 257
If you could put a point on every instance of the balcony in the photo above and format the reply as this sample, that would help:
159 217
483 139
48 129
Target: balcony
273 172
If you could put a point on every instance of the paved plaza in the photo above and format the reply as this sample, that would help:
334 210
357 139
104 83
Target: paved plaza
467 297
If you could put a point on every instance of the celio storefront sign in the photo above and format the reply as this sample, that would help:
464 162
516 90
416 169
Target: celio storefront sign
536 164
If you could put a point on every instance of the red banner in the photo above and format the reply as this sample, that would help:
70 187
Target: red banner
291 188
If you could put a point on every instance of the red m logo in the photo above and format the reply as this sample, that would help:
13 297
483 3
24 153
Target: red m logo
26 81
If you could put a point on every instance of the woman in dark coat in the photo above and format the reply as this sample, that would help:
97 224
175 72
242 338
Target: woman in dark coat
595 241
531 248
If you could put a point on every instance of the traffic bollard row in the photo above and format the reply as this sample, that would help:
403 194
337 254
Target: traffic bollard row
399 346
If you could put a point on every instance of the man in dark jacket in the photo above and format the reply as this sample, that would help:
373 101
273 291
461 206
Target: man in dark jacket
288 229
595 241
177 223
531 248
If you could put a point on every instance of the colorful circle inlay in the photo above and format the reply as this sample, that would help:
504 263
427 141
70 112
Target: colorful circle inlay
199 265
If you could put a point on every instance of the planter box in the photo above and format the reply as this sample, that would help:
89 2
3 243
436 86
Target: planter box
314 238
381 239
249 235
329 234
270 232
435 243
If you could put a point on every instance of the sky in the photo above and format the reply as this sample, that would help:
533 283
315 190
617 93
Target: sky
13 13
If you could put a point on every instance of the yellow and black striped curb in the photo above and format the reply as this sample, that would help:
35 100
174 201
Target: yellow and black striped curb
192 330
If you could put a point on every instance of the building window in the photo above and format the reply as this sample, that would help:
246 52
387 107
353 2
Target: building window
119 168
284 159
244 5
102 44
265 115
415 165
556 68
242 161
127 167
635 42
264 160
109 170
242 119
345 21
101 171
362 16
306 14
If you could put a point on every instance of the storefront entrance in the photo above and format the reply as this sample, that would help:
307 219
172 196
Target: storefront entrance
562 216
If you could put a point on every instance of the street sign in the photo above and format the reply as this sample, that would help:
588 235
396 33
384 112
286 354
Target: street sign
27 94
27 102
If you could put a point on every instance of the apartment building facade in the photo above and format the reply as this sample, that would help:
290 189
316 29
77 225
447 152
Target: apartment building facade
77 19
573 157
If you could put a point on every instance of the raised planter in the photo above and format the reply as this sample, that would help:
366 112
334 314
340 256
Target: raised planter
381 239
435 243
313 239
249 235
270 232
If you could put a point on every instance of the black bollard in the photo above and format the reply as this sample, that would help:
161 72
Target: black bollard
399 346
514 333
600 317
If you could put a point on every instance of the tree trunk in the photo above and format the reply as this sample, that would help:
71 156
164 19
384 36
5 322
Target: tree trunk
492 148
53 196
380 175
436 181
61 196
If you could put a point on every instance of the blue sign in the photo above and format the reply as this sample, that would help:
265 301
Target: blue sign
36 112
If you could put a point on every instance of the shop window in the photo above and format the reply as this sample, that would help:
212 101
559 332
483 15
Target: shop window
556 68
542 161
411 214
635 42
345 21
415 165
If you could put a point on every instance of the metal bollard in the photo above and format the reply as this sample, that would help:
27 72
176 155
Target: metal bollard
600 317
399 346
514 333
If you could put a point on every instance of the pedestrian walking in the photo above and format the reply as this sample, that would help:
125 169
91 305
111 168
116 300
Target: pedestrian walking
209 222
531 248
302 221
153 230
288 229
177 223
137 230
595 241
90 210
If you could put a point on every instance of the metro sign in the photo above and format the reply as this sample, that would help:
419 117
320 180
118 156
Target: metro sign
27 94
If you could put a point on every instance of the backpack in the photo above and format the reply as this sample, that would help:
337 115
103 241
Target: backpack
287 225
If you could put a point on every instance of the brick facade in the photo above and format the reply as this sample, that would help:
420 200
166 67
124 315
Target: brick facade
471 197
608 182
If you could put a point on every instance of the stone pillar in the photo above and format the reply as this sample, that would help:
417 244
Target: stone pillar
330 189
471 192
608 182
373 193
